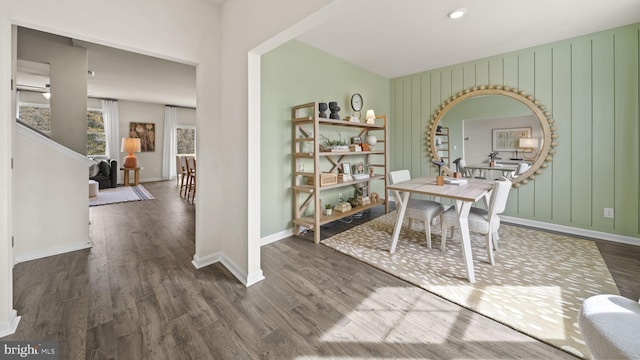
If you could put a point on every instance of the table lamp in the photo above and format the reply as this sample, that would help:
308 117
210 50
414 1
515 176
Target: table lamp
529 145
130 145
371 116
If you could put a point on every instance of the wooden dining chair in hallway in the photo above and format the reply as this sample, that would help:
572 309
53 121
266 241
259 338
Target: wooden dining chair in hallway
481 221
185 175
180 170
417 209
191 178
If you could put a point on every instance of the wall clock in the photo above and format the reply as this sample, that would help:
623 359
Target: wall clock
356 102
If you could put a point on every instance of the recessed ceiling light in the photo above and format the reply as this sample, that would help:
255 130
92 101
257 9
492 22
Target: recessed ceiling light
457 13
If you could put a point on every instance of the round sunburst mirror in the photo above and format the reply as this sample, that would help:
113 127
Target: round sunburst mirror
497 120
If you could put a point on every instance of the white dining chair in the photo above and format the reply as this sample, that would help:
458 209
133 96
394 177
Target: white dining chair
466 172
482 221
417 209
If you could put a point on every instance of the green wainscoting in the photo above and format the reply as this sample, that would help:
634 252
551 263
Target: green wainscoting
591 85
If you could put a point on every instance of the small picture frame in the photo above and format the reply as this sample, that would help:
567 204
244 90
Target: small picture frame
359 167
346 168
356 140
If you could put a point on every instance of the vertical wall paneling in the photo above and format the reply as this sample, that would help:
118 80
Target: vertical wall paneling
581 132
603 129
482 73
562 197
436 99
425 119
417 140
468 76
590 85
626 131
496 71
510 70
526 82
544 92
396 126
406 126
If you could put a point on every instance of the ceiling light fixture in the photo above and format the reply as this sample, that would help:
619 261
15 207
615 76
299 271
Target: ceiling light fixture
457 13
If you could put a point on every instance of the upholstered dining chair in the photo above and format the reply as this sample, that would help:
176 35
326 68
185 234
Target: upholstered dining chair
417 209
482 221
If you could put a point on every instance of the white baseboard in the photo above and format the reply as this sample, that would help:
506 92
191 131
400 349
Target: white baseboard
572 230
10 326
516 221
233 268
276 237
56 250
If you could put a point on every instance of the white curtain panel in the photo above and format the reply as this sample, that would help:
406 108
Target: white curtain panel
169 150
111 128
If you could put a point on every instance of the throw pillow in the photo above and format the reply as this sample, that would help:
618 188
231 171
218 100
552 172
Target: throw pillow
94 169
105 168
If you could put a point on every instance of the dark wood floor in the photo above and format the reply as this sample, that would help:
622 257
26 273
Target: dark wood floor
135 295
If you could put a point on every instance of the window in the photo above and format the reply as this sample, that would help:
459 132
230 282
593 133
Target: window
186 140
96 136
38 116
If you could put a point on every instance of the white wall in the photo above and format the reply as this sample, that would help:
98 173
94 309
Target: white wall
68 79
480 135
245 27
150 161
185 31
41 229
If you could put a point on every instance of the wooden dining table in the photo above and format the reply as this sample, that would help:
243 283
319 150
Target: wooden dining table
463 195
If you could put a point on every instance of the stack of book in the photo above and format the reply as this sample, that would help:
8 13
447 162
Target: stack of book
342 207
342 177
455 181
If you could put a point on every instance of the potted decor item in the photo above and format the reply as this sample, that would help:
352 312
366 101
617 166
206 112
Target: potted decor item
440 177
458 173
328 210
334 145
492 158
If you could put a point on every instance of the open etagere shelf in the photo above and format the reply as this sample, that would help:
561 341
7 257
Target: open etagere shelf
307 127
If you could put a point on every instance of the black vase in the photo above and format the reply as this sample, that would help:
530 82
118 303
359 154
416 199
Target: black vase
334 108
322 107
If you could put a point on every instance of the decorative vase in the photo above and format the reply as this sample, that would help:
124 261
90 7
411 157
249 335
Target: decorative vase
334 109
328 212
322 107
372 140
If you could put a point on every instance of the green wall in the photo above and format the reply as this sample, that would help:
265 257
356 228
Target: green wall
294 74
591 86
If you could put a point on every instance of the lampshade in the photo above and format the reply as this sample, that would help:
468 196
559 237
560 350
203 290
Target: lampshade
130 145
528 143
371 116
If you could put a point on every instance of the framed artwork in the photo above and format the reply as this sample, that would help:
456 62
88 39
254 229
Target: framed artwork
147 134
507 139
346 168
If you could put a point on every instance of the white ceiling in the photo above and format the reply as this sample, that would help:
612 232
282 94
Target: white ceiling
391 38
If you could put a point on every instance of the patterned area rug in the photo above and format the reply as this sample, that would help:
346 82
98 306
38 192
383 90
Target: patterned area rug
120 194
536 286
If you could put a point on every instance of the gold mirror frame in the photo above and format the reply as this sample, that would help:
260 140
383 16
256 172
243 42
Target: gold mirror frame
549 131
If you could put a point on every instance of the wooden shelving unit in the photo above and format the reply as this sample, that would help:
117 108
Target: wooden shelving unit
444 150
307 127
